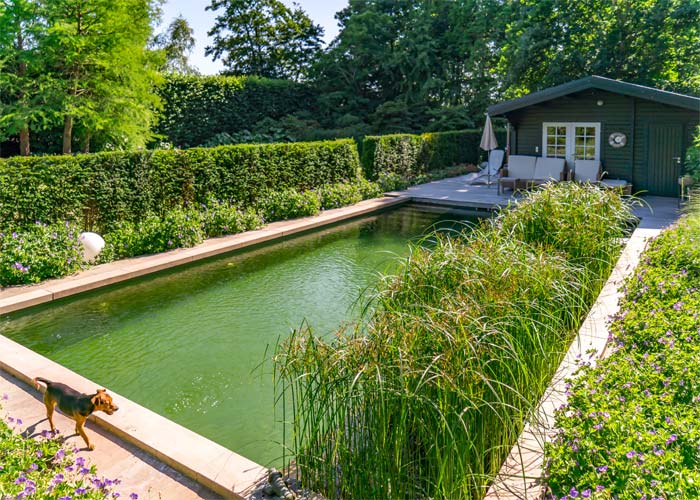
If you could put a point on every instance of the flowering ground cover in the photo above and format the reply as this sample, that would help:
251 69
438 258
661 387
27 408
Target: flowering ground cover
44 468
630 429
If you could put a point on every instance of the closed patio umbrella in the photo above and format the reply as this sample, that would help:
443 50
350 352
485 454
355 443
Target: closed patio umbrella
488 140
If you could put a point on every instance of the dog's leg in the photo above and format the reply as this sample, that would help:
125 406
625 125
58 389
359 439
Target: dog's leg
79 423
50 404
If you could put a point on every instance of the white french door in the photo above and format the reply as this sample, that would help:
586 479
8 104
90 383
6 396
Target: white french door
571 140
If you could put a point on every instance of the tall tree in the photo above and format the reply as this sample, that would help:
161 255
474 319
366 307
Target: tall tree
264 38
24 86
650 42
176 42
407 61
97 49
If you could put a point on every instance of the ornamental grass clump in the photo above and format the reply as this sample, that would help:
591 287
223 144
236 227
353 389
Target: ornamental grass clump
630 429
427 396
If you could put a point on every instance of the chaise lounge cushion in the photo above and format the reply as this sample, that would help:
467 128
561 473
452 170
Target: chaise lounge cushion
587 171
548 169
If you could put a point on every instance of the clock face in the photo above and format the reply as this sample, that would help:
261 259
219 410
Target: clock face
617 139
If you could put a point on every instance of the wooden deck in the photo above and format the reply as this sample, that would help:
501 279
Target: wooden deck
655 212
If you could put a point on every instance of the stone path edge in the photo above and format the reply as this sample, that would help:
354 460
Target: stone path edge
521 476
16 298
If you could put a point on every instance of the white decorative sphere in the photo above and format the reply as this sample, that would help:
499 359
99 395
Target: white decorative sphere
92 245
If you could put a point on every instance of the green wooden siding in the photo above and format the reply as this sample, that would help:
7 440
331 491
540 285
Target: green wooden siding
618 113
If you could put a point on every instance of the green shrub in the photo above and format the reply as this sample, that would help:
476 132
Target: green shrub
369 189
289 204
220 219
412 155
102 190
339 195
436 384
39 252
691 166
179 228
630 427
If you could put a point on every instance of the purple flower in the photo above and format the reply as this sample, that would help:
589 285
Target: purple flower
66 498
631 454
671 439
586 493
598 426
5 397
600 487
80 461
19 421
39 454
33 467
133 496
80 491
14 234
677 306
573 493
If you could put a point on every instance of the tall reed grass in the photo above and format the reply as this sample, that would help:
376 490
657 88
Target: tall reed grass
426 398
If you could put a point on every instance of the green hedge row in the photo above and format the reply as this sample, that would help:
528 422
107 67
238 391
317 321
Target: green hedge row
100 190
412 155
196 108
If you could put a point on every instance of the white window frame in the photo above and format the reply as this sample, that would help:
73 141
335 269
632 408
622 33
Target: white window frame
571 137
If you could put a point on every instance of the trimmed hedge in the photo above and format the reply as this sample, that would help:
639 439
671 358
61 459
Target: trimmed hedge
196 108
101 190
412 155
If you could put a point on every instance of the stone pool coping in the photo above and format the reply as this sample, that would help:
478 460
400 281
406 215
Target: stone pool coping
21 297
214 466
521 476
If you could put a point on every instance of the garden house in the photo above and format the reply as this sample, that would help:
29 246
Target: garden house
640 134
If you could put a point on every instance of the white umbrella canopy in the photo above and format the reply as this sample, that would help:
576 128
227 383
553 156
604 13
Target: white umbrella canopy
488 138
488 141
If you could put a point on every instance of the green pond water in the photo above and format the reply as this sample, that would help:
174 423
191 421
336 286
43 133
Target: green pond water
190 343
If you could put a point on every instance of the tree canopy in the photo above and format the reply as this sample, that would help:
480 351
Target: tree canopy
177 42
263 38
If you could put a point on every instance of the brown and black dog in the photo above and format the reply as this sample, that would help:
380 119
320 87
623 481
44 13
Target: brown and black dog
74 404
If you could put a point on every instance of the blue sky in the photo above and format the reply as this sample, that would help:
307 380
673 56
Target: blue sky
320 11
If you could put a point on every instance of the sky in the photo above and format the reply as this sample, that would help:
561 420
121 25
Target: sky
320 11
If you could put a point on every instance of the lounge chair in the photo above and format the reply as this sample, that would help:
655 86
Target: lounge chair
591 171
489 168
547 170
519 168
587 171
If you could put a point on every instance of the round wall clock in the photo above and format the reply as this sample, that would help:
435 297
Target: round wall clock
617 139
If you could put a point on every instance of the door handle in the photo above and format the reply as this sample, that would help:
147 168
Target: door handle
677 159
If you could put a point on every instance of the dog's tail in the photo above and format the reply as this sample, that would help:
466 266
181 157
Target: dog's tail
42 380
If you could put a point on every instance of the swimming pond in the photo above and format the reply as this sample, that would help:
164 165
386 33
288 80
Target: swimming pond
190 343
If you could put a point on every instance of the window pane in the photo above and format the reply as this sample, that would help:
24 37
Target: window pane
580 131
590 131
580 141
551 141
551 130
580 152
551 150
561 130
561 141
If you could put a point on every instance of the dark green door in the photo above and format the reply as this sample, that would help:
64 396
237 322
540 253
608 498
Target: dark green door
664 158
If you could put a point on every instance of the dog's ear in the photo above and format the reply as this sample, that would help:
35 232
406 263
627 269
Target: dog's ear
95 399
101 390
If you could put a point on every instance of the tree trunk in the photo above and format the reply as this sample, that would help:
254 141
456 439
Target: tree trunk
24 141
86 144
67 134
